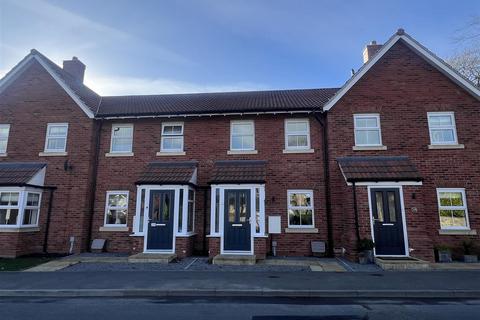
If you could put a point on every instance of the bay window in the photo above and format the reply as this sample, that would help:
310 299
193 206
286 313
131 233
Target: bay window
19 207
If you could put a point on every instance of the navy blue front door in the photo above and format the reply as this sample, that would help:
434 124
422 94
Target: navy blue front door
237 229
160 220
387 221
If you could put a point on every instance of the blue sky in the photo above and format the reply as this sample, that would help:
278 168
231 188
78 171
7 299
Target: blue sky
144 47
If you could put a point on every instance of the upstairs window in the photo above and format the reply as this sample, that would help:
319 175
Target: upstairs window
242 136
452 206
122 138
172 137
297 134
56 140
116 209
442 128
300 209
4 132
367 130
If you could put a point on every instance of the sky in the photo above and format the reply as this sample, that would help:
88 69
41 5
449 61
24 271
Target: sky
177 46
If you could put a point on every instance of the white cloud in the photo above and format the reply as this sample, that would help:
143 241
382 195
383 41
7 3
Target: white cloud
105 85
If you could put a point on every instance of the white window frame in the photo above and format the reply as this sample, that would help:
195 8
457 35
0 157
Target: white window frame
232 124
164 135
379 128
297 133
6 138
311 207
446 127
464 207
48 137
108 207
22 200
120 125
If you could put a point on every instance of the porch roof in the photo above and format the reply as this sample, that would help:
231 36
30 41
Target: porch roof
162 172
365 169
239 171
19 173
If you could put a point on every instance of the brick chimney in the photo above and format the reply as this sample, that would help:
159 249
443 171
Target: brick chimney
370 50
75 68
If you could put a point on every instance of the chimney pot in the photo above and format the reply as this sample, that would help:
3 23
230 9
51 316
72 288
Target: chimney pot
75 68
370 50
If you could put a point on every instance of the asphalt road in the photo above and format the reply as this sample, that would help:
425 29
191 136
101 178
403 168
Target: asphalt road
236 308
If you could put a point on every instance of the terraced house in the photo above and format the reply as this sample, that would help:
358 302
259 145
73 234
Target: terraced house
391 156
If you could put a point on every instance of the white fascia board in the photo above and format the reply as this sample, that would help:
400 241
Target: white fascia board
21 66
431 58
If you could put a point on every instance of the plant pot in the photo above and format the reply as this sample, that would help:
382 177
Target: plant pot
444 256
362 259
470 258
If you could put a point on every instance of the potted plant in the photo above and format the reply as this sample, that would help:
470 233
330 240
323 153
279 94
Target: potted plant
443 253
468 255
365 249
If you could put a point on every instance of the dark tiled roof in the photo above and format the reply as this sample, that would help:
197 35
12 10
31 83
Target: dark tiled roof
378 169
161 172
223 102
18 173
239 171
87 95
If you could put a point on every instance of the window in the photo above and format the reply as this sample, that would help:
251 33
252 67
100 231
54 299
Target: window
191 210
297 134
122 138
32 207
4 132
367 130
242 135
300 208
56 140
452 206
9 208
172 137
442 128
116 208
180 211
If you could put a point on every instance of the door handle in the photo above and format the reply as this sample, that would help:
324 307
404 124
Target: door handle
237 224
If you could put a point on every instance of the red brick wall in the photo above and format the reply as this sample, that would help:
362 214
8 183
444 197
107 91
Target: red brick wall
206 140
184 246
402 88
28 104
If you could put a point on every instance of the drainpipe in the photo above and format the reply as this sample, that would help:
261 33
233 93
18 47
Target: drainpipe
93 189
322 120
355 211
49 214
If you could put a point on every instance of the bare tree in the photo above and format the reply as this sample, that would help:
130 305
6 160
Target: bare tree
467 60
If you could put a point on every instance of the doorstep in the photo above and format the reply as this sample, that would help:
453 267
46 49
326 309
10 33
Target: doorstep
163 258
401 264
315 264
234 260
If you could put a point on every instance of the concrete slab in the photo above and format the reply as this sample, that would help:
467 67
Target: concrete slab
328 265
455 266
163 258
234 260
52 266
401 264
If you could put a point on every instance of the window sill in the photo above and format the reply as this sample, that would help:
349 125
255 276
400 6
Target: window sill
213 235
113 229
446 146
3 154
242 152
260 236
119 154
369 148
453 232
298 151
17 229
187 235
166 154
301 230
53 154
137 235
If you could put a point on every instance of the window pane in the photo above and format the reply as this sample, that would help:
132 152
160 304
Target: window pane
257 210
444 120
443 135
236 142
117 200
57 131
247 142
8 216
9 199
294 217
297 141
3 145
166 207
122 144
300 200
231 201
306 217
30 216
142 211
33 199
190 215
363 122
180 210
379 202
4 131
172 143
373 137
392 208
449 199
458 218
217 209
56 143
297 126
446 218
242 129
361 137
117 217
122 131
243 207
